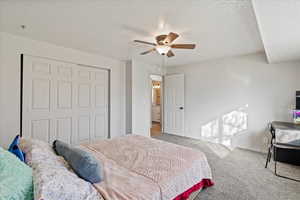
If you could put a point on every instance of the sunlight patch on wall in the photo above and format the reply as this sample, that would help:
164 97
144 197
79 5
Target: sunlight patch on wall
223 129
234 122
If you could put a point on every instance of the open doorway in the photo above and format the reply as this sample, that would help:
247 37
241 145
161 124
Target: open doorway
156 105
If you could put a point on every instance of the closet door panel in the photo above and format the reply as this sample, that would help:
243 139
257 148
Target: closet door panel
64 101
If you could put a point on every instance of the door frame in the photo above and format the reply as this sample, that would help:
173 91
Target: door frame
161 101
83 65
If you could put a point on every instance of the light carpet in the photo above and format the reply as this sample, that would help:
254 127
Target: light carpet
240 174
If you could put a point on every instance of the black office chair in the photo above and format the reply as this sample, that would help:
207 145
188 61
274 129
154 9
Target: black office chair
283 152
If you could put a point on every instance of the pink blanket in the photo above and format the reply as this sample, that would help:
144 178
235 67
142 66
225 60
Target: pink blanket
141 168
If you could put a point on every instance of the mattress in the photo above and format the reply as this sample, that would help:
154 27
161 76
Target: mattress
141 168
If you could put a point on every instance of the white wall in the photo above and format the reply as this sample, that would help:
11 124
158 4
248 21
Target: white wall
246 84
141 96
10 49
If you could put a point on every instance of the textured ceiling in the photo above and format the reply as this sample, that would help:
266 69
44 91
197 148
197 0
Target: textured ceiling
278 22
220 28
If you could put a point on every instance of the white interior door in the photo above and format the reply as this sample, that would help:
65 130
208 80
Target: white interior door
64 101
174 104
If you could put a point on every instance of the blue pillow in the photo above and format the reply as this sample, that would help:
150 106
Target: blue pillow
14 148
83 163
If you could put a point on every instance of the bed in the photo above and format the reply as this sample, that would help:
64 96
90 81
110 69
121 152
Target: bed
136 167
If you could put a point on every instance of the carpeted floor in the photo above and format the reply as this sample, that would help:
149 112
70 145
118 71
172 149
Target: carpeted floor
240 174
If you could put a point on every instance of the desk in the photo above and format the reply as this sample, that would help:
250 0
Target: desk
284 145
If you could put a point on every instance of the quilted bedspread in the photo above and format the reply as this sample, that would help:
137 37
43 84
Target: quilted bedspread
141 168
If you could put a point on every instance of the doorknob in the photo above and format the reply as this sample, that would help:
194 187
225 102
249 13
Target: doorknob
181 108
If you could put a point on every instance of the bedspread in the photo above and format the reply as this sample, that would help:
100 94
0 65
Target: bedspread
141 168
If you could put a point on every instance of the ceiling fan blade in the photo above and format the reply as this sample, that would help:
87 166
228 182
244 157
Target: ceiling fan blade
143 42
170 53
171 37
183 46
143 53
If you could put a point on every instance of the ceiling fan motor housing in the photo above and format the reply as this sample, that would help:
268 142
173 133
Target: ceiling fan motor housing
160 39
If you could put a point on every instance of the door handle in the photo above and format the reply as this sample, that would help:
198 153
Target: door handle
181 108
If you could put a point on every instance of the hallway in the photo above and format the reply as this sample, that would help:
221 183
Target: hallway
155 129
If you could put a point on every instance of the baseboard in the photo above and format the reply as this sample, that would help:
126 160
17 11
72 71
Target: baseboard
253 150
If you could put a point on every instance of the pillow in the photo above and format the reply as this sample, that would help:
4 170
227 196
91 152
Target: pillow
14 148
53 182
53 178
41 152
15 177
82 162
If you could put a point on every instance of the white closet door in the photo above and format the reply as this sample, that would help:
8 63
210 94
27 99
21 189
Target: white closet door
64 101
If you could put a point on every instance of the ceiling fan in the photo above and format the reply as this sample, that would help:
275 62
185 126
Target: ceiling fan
164 44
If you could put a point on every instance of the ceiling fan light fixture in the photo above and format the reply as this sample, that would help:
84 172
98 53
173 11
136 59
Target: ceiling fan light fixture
164 45
163 49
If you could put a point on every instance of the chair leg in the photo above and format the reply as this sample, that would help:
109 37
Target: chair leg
268 157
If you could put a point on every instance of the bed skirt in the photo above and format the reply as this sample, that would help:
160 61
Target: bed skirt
202 184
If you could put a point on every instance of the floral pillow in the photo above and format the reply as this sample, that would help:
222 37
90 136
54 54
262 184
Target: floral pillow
52 176
56 182
41 152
